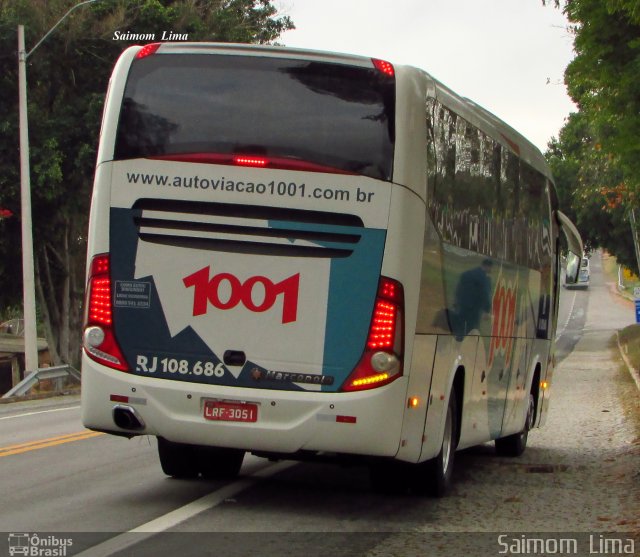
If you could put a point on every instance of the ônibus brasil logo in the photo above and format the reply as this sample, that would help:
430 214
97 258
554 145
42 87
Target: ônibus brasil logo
206 290
38 545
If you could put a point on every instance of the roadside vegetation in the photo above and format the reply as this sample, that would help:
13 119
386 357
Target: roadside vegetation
596 158
630 343
67 80
623 277
629 337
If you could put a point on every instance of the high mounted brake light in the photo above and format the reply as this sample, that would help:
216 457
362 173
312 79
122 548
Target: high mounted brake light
99 342
384 67
256 161
147 50
381 362
259 162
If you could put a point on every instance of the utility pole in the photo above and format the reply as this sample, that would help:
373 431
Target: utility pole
28 275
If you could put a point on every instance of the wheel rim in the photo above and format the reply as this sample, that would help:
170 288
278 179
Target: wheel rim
530 413
447 440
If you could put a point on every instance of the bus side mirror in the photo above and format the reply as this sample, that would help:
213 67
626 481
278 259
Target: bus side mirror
576 248
573 268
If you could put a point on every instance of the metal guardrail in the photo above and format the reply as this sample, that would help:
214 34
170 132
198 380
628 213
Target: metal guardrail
56 372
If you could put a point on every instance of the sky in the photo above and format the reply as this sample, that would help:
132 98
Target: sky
507 55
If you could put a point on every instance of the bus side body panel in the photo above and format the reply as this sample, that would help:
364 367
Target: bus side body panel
422 371
403 252
410 161
543 404
452 356
488 199
98 238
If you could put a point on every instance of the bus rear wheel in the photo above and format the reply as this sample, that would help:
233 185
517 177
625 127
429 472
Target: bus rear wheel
390 477
514 445
177 459
434 477
219 463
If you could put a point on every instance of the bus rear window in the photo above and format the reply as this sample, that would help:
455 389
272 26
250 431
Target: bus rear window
333 115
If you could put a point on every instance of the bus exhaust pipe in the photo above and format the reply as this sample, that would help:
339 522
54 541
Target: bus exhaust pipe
125 417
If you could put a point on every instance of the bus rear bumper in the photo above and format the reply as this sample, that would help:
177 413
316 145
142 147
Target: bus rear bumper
363 423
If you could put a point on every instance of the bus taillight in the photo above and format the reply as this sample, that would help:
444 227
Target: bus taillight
381 362
99 341
258 162
148 50
384 67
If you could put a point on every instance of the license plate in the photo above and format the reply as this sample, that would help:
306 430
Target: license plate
222 411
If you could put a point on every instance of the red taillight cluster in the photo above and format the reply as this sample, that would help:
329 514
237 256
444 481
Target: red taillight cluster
99 341
382 330
100 297
381 362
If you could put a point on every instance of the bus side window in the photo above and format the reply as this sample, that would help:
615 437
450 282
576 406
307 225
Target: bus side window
494 173
431 148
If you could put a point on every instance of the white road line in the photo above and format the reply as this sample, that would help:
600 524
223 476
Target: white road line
39 412
173 518
573 303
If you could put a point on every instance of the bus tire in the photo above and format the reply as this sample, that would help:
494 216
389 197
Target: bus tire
216 463
514 445
389 477
177 459
435 475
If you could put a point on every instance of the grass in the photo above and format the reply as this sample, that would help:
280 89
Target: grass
630 342
629 336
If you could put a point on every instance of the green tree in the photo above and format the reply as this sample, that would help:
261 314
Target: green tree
591 188
597 158
67 79
603 77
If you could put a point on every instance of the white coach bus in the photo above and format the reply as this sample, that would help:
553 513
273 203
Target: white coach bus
301 254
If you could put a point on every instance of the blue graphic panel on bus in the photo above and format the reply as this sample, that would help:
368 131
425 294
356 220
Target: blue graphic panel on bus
352 290
353 284
300 322
142 331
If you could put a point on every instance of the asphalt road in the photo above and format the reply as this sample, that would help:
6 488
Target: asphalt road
580 475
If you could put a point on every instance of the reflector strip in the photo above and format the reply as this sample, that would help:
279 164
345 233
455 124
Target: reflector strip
128 399
346 419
